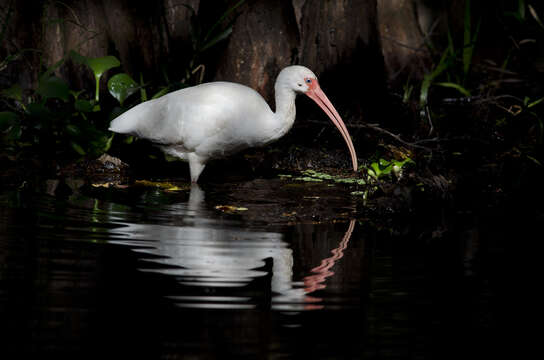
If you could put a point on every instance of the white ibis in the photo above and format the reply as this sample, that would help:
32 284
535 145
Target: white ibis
216 119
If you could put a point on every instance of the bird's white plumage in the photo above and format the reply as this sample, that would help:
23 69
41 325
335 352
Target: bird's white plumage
195 119
215 119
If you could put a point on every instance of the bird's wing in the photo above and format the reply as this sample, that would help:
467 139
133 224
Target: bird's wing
210 117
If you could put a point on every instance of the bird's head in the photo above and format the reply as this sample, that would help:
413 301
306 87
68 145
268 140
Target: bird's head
302 80
298 78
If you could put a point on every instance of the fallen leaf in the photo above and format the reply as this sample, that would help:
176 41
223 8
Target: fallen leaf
230 208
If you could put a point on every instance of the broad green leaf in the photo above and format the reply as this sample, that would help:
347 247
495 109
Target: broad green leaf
14 92
376 168
78 58
99 66
384 162
457 87
39 110
83 105
102 64
122 86
7 120
387 169
53 87
47 74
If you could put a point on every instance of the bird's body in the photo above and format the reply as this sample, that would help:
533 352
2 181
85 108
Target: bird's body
216 119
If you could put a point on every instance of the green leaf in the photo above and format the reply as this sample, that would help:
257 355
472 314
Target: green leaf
76 94
83 105
14 92
39 110
53 87
47 74
160 93
534 103
7 120
457 87
387 170
78 58
376 169
122 86
535 16
467 39
221 36
99 66
102 64
218 22
15 132
534 160
73 130
383 162
428 78
521 9
143 92
77 148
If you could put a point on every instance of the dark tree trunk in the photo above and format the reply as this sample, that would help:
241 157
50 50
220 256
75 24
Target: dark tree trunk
338 40
264 40
144 36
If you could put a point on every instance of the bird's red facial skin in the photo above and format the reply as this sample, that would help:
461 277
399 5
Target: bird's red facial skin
311 83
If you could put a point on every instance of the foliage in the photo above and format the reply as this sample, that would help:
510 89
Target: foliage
386 168
122 86
55 120
204 39
449 66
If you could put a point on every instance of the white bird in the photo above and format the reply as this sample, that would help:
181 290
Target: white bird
216 119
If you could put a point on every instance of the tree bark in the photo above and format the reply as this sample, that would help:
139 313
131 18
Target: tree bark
264 40
338 40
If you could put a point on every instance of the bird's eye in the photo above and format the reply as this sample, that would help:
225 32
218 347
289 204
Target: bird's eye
308 81
299 84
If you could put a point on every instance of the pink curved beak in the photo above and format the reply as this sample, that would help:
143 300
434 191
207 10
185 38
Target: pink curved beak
316 94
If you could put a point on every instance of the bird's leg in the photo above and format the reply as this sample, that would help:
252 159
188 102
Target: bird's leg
195 166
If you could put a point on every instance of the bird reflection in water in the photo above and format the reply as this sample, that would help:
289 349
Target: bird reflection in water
324 270
212 256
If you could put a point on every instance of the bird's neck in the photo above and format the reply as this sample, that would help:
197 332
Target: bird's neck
285 114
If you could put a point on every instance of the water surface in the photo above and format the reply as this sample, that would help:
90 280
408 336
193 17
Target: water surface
147 273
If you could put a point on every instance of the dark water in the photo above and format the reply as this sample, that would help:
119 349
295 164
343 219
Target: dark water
150 274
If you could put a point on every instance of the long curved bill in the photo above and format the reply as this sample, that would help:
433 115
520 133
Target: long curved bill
316 94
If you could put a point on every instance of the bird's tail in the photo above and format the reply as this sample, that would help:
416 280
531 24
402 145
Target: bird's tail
124 123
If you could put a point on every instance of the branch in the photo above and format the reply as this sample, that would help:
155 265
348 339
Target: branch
387 132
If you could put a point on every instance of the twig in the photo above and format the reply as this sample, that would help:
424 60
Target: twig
387 132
